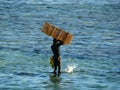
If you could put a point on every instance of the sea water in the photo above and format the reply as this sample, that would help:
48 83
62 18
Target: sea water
90 62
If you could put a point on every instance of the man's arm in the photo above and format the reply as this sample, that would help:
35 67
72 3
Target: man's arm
59 42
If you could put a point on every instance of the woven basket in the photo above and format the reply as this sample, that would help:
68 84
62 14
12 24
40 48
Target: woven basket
57 33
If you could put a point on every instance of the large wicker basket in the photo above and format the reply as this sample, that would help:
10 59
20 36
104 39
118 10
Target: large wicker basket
57 33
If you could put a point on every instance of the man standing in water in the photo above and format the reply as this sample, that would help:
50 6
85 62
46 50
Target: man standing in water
56 55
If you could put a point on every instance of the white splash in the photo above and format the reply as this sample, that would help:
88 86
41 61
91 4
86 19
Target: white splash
71 68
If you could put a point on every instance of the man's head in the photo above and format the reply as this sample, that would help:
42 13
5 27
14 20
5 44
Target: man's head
54 40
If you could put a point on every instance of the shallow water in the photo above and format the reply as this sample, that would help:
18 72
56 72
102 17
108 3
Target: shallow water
91 62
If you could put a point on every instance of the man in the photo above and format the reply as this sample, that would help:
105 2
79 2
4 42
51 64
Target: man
56 55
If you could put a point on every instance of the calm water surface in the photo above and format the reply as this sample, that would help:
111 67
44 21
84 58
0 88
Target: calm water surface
91 62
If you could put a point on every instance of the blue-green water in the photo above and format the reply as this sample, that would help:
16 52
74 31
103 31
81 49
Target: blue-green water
93 57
